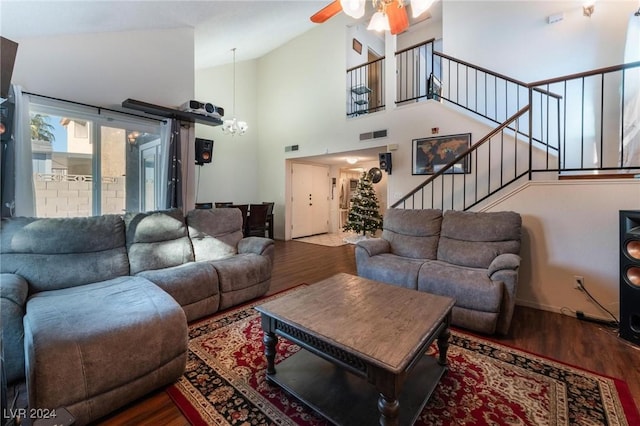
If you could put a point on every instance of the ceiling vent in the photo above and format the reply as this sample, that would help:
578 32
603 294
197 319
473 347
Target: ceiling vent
290 148
373 135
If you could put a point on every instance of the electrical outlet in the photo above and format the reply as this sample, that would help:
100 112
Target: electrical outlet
578 281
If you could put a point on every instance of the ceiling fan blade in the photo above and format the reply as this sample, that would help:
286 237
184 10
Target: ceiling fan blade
327 12
398 19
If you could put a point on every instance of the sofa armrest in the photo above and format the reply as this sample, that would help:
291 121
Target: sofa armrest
374 246
14 289
257 245
13 298
504 268
502 262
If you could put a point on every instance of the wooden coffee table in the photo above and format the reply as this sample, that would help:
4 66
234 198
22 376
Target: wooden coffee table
364 346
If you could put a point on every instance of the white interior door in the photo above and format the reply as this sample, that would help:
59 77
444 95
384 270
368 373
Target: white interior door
320 200
309 200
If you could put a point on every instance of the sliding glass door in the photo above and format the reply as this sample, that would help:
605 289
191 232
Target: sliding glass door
87 163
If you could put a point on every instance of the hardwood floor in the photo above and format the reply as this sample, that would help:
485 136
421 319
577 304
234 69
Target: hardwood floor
586 345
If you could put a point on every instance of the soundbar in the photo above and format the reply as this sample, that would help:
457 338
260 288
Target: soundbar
198 107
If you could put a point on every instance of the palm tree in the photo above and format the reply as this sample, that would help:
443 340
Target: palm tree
41 129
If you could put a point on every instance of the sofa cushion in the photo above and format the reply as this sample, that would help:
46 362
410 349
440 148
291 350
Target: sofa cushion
474 239
389 268
13 292
412 233
96 347
55 253
193 285
470 287
214 233
242 271
157 240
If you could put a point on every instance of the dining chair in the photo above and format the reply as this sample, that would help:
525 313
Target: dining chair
223 204
270 205
244 209
257 220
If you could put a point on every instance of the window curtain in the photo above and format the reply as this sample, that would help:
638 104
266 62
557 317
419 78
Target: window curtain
174 166
631 119
179 174
165 141
188 146
18 192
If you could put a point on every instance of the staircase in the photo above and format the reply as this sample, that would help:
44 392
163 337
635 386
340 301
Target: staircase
566 127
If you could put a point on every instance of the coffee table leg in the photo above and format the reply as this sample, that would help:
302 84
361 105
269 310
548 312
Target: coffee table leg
270 339
389 409
443 346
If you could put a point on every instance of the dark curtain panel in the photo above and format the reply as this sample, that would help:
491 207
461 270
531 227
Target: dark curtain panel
7 178
174 184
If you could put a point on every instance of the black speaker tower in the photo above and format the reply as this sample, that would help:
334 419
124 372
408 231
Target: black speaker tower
204 151
630 275
385 161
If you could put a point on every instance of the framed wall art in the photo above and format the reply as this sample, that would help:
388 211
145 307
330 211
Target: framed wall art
357 46
430 155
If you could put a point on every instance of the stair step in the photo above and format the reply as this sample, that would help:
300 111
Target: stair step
623 174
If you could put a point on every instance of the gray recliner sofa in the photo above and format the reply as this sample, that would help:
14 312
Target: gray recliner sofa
94 310
472 257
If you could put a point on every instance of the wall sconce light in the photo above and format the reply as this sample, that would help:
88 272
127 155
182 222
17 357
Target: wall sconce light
588 9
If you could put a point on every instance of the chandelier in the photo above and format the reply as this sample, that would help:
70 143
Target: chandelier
234 127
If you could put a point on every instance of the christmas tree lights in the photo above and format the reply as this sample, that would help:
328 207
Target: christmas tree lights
364 214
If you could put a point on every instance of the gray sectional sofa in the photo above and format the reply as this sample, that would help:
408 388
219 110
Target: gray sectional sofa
94 310
472 257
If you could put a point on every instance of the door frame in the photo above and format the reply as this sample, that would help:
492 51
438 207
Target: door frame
289 164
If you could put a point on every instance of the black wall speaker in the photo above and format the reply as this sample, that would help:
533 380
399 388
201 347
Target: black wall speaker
204 151
630 275
6 121
385 161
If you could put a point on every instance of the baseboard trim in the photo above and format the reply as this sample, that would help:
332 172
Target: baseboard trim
559 310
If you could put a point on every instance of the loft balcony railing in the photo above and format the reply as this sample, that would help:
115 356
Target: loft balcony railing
365 84
591 120
423 73
578 123
414 69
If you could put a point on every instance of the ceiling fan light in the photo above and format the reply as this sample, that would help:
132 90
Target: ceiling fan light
379 22
353 8
418 7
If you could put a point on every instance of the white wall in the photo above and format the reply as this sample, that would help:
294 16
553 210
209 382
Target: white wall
571 228
420 32
513 37
105 69
368 39
233 174
301 99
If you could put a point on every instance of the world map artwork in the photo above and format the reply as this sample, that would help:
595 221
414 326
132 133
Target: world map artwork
434 153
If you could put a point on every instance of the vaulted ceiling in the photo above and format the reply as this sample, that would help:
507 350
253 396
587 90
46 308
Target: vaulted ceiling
253 27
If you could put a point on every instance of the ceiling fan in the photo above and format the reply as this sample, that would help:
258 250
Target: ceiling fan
390 15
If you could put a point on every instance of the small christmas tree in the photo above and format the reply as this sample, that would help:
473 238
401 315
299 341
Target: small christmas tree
364 215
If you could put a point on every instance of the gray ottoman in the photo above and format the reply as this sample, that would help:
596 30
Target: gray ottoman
97 347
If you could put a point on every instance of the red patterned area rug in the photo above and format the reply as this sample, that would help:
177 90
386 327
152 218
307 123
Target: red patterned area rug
487 383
